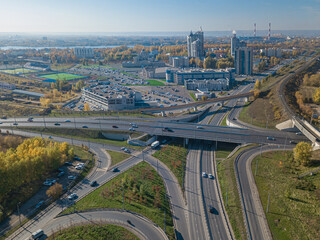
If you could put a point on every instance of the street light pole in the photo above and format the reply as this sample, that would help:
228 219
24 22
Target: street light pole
268 202
19 212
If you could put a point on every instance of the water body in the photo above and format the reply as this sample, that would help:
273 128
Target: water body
40 48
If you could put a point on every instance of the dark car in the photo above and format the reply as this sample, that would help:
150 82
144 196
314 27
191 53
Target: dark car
84 126
114 126
166 129
93 184
57 124
213 210
115 169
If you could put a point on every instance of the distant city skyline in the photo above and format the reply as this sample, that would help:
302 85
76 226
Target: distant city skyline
157 16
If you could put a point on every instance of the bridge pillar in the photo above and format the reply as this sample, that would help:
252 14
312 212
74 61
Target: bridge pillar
222 103
163 113
186 141
246 99
195 108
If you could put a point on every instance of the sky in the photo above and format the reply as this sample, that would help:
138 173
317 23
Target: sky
156 15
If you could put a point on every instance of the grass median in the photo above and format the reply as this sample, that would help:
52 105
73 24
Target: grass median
294 206
228 186
94 232
117 157
174 156
143 191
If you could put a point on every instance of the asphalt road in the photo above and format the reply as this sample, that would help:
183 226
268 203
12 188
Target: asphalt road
218 227
254 216
196 216
139 225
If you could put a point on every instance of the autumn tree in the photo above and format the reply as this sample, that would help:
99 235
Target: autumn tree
257 85
86 107
55 191
209 62
302 153
316 96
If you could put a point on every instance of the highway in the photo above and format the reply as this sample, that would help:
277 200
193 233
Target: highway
217 220
253 213
139 225
196 216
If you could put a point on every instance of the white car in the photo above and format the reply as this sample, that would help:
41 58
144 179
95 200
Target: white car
72 196
204 174
199 127
78 167
210 176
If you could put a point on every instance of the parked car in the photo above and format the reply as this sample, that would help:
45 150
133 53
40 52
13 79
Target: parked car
71 177
39 204
68 163
60 174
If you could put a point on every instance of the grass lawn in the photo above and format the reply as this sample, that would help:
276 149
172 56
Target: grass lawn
11 109
84 134
228 183
294 209
129 74
60 67
174 156
144 193
94 232
155 82
193 97
62 76
18 70
117 157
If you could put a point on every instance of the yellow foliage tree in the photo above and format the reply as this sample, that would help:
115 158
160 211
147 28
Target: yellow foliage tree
55 191
302 153
316 96
86 107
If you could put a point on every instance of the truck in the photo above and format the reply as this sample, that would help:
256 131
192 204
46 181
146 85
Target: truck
155 144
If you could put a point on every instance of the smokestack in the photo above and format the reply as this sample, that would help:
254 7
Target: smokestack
255 30
269 33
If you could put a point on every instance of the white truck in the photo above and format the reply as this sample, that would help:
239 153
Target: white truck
155 144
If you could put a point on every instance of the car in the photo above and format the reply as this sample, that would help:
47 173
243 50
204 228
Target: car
115 169
210 176
68 163
166 129
47 183
76 158
71 177
298 133
126 150
131 129
123 148
204 174
60 174
72 196
213 210
60 170
39 204
67 120
57 124
271 138
199 127
293 142
114 126
15 123
93 184
79 167
84 126
50 137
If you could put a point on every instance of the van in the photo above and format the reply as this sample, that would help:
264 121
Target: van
37 234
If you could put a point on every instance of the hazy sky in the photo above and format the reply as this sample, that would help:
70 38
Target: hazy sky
156 15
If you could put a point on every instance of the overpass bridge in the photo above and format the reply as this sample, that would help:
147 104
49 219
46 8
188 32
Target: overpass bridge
196 104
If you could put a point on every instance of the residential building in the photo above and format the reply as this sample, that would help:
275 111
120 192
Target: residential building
272 52
83 52
8 86
179 61
244 61
236 43
195 43
144 59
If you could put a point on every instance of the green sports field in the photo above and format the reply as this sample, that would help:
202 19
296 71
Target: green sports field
62 76
18 71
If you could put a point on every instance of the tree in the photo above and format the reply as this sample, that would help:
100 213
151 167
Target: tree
86 107
204 98
302 153
256 93
209 62
257 85
55 191
316 96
